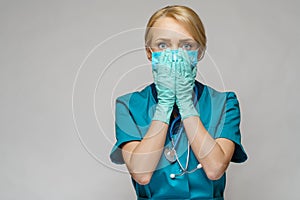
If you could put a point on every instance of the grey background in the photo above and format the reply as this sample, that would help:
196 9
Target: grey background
43 44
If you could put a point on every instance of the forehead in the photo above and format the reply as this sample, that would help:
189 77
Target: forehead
167 27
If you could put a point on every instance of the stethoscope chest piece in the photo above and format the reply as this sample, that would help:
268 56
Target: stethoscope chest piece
170 154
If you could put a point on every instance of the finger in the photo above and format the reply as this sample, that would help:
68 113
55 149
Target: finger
185 56
194 71
168 56
182 68
162 57
180 55
180 61
173 69
161 62
187 63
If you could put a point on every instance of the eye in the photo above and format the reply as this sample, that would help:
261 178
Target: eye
187 46
162 45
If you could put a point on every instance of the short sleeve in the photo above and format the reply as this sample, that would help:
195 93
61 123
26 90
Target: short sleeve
229 126
125 129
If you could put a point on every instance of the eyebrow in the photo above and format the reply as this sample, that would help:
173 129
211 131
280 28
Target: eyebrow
182 40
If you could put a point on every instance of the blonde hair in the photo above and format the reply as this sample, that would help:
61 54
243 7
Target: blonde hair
184 15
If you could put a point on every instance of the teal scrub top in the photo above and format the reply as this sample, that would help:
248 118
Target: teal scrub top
220 115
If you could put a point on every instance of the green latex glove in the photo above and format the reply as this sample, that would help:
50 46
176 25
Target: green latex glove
185 82
164 79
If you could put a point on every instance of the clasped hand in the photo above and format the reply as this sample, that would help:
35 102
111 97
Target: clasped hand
174 79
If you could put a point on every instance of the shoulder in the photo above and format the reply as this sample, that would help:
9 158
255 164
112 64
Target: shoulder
134 99
137 106
217 96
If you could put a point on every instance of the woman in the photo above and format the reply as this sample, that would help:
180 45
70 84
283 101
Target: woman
177 136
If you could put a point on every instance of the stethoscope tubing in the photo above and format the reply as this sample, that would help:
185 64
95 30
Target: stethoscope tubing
174 144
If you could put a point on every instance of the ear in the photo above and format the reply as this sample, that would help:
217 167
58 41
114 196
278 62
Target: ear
201 53
148 53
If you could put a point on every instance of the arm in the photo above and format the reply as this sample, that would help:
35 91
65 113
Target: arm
142 157
214 155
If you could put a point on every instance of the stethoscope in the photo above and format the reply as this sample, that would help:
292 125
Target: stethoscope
170 152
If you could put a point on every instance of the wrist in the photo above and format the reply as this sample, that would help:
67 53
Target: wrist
187 110
163 113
